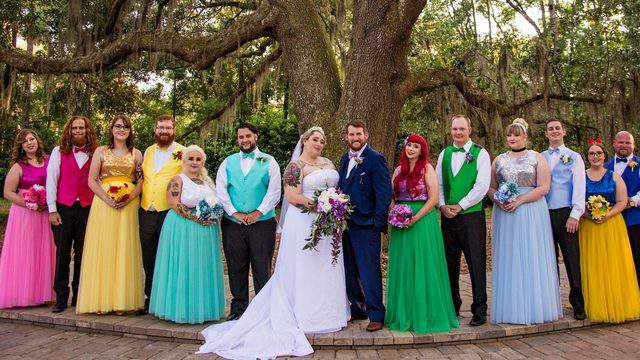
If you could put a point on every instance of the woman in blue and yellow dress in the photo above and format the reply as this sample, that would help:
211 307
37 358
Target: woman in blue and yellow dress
111 277
609 280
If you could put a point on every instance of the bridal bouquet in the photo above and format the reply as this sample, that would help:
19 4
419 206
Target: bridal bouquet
118 191
598 207
35 197
507 191
208 209
333 209
400 216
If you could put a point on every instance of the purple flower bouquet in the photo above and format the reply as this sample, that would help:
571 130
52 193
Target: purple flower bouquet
400 215
334 209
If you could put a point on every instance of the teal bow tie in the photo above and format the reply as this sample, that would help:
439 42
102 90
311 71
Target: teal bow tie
457 149
248 155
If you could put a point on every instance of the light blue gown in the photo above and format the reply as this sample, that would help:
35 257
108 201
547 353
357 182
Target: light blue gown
525 276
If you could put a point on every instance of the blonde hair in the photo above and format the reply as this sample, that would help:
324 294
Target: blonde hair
307 134
204 174
518 127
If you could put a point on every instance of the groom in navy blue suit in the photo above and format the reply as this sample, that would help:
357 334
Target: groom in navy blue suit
364 176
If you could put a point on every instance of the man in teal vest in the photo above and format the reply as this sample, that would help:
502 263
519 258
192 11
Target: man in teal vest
248 187
464 174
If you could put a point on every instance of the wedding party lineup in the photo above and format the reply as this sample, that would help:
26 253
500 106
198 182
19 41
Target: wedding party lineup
110 229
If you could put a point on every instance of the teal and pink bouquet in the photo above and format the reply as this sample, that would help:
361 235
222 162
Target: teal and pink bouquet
334 209
208 209
507 191
400 216
35 197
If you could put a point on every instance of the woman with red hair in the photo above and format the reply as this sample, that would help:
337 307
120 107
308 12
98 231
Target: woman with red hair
418 293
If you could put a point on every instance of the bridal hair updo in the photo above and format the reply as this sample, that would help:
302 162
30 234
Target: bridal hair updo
204 174
518 127
307 134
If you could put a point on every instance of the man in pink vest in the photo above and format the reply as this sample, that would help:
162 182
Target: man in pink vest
69 199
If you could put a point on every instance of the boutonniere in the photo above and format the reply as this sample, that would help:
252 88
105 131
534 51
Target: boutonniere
358 160
177 155
468 157
566 159
261 158
633 164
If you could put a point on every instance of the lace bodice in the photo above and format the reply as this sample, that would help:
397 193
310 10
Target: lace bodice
192 193
113 165
522 170
319 179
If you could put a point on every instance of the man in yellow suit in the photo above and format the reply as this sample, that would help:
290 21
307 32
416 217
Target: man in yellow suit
162 161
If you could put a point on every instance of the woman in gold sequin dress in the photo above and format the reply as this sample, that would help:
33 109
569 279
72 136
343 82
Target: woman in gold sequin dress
111 277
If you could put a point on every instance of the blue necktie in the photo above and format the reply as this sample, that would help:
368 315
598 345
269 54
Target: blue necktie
554 150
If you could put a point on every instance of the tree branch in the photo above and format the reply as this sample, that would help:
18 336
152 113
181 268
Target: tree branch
200 52
431 80
266 65
114 15
250 5
518 7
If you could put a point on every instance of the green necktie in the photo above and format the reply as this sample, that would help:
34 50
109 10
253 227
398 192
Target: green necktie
248 155
457 149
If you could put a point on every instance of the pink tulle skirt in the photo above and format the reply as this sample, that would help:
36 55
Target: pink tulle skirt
27 263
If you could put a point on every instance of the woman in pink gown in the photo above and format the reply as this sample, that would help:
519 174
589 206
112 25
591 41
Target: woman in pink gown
27 262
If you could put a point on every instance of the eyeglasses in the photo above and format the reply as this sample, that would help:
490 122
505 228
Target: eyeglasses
121 127
596 153
163 128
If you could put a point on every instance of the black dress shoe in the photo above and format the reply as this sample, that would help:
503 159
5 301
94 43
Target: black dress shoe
579 315
358 317
59 307
233 316
478 320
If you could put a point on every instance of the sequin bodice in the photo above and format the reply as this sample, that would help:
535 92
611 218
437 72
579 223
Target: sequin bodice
113 165
403 193
522 170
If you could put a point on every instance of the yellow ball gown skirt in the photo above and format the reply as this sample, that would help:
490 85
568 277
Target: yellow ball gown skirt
111 278
609 282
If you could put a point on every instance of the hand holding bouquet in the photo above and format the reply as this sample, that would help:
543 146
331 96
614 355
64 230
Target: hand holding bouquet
507 191
207 210
333 209
400 216
598 207
35 197
118 191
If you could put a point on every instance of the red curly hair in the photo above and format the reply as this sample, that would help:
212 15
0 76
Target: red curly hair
412 176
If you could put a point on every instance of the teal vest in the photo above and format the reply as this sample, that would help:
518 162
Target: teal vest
247 191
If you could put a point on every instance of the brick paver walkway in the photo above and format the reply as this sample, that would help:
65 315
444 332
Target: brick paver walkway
19 341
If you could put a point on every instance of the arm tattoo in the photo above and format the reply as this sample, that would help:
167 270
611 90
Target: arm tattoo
292 174
138 175
186 212
173 188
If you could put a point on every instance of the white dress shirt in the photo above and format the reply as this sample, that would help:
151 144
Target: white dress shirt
578 178
352 162
271 198
53 174
483 179
618 168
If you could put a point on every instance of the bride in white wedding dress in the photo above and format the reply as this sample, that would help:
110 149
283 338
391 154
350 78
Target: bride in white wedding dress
306 293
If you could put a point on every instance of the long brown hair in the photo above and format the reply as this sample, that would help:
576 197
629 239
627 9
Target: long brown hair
17 154
131 139
65 142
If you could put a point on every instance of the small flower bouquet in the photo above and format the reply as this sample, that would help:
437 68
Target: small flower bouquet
400 216
208 209
507 191
333 209
118 191
598 207
35 197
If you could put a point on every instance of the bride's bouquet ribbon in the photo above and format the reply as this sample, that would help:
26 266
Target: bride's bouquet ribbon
334 209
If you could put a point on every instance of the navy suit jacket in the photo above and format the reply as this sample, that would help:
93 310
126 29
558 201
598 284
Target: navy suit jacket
369 186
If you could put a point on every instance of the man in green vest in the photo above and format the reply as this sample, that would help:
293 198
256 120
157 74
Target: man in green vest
248 186
464 174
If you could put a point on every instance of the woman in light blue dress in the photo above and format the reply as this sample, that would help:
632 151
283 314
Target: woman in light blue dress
525 277
188 279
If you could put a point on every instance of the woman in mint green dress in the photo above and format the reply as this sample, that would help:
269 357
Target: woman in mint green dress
188 279
418 293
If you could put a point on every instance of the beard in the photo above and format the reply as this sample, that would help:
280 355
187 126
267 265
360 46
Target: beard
79 140
163 140
250 149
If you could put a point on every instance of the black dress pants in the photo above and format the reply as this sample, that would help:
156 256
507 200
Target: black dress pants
69 235
634 241
570 247
150 226
467 234
246 245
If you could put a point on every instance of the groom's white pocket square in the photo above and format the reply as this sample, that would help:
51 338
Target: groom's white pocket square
363 173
